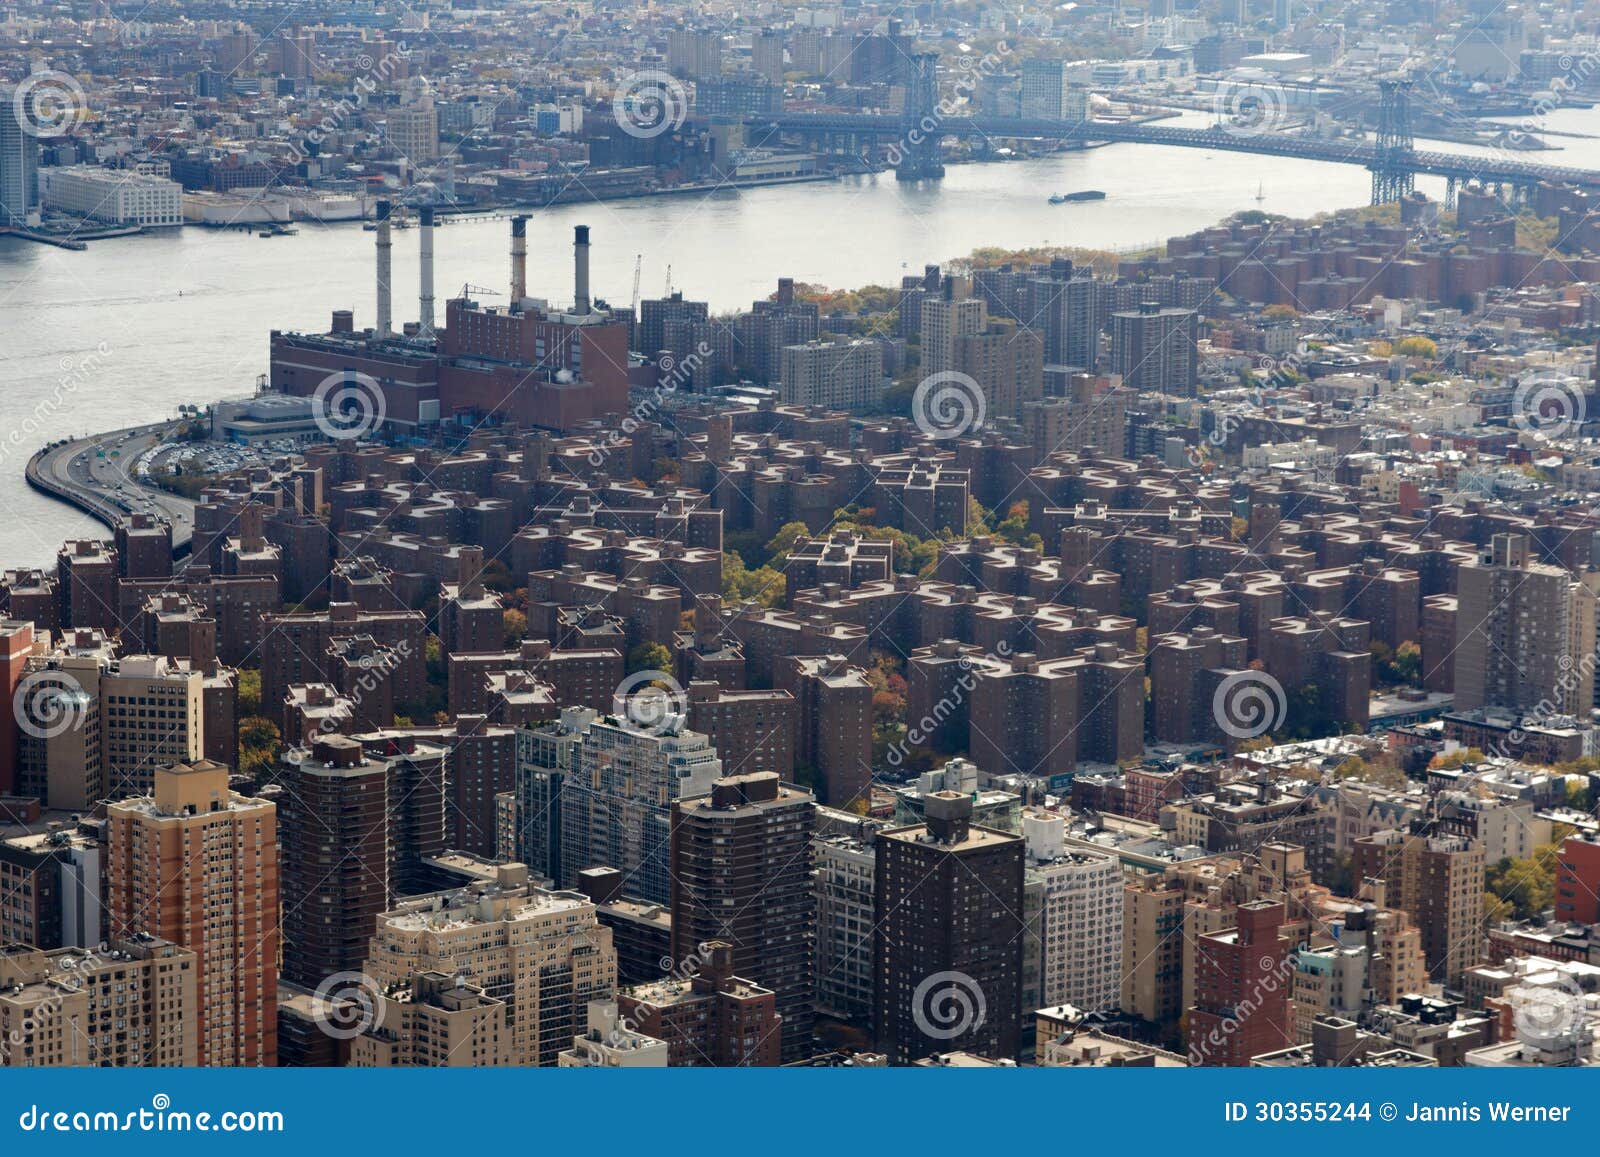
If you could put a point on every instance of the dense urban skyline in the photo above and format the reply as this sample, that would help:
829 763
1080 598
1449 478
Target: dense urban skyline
1058 656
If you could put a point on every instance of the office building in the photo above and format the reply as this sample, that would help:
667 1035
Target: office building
336 857
114 196
616 805
19 166
946 317
708 1016
608 1043
846 874
413 132
1063 306
52 888
1054 90
1437 880
840 375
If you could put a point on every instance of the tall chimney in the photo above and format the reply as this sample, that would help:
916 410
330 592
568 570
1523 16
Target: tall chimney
519 261
425 330
580 271
384 246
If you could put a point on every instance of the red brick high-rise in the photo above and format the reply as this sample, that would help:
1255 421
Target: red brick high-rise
1578 881
1241 990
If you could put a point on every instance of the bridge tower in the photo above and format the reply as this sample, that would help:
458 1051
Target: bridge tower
918 150
1392 174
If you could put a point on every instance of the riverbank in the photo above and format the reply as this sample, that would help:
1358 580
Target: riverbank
91 475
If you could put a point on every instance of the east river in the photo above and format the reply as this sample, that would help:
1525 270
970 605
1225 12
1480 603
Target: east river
127 330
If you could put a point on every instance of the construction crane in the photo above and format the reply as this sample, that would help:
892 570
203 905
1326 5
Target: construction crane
468 289
638 264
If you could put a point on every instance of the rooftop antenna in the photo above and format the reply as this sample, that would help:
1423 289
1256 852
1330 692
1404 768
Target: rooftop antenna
638 265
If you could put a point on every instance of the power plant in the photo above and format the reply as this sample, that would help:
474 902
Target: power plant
527 362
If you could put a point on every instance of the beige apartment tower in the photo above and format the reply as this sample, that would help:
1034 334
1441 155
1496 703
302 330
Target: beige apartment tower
195 864
544 954
128 1003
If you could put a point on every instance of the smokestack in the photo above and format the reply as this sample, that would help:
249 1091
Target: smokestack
519 261
384 245
425 330
580 270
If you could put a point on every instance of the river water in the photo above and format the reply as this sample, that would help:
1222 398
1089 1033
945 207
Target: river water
130 328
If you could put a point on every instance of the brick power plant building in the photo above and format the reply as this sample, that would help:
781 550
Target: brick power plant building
527 362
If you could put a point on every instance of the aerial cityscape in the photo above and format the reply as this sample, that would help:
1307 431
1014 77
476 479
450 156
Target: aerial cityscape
847 535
